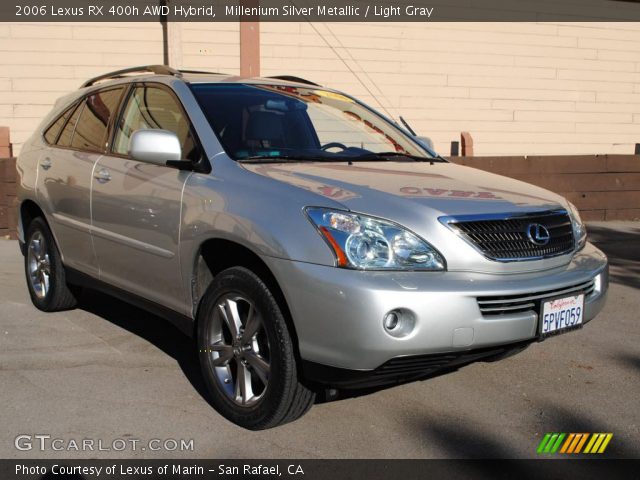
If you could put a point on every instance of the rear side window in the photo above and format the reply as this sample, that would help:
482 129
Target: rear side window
91 128
51 134
64 140
155 108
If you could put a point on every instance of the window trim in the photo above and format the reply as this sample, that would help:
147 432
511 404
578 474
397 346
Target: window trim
105 136
79 108
80 102
113 124
72 107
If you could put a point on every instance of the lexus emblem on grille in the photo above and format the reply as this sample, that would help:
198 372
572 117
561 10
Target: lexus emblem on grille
538 234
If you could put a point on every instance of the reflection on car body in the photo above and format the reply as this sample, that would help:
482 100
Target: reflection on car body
306 241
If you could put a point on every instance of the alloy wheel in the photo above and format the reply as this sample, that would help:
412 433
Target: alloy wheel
39 265
238 350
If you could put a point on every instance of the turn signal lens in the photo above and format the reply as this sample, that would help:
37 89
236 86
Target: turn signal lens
579 228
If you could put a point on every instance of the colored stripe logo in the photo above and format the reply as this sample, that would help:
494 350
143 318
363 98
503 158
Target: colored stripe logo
572 443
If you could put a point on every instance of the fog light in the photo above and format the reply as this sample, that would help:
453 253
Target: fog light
399 322
391 320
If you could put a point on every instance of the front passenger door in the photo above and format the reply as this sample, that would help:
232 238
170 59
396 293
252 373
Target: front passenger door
136 206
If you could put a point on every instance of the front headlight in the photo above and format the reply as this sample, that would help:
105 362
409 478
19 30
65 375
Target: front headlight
579 228
367 243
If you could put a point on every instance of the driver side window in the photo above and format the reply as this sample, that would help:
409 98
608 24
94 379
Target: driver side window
151 107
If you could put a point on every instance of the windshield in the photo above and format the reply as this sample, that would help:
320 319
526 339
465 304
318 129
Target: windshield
282 122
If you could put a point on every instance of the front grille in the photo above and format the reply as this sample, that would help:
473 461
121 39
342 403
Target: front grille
508 238
500 305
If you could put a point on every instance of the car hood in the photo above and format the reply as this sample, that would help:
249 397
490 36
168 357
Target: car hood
417 196
381 188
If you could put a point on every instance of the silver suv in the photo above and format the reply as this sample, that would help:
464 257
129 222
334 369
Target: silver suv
311 245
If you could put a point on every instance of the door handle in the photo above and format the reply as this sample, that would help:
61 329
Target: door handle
46 163
103 175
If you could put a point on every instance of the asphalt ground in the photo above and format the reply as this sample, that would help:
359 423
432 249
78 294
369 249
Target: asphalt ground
109 371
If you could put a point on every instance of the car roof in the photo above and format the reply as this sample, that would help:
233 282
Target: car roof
165 74
227 78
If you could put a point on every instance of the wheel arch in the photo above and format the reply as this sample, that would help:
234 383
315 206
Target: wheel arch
29 210
218 254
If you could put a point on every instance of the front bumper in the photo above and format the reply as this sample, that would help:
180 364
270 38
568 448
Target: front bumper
338 313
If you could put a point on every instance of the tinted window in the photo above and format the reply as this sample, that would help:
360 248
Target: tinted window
67 132
91 128
253 121
51 133
154 108
297 122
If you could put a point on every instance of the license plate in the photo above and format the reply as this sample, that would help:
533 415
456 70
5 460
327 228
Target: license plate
561 314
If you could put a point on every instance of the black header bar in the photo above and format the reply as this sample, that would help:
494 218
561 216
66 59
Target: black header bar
582 468
319 10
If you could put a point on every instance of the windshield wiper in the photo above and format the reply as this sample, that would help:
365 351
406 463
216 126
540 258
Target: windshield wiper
286 158
367 157
388 155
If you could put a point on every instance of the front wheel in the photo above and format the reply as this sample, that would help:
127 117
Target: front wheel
247 354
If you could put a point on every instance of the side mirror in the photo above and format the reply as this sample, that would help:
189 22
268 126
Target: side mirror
425 142
155 146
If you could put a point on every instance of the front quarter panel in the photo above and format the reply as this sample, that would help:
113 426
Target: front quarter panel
261 214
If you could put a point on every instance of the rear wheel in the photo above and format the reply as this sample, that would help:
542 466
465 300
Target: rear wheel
44 270
247 355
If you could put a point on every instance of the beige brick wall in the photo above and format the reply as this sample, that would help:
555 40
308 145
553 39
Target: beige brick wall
41 62
518 88
211 47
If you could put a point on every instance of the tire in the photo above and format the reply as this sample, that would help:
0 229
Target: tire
44 271
256 347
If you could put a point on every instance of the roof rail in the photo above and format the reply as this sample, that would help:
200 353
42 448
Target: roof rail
291 78
157 69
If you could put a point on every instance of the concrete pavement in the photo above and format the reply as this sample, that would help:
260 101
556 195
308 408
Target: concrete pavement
109 371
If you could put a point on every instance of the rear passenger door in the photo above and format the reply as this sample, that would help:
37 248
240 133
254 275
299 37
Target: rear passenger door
76 139
136 206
